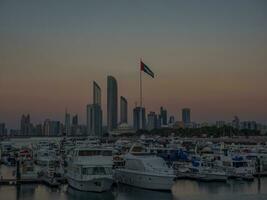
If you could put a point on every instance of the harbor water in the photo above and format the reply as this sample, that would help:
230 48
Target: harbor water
182 190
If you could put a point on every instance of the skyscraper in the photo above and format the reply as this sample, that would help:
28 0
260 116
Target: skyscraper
186 115
152 121
67 123
2 129
75 120
46 129
123 110
112 103
25 124
171 120
94 120
236 122
94 113
163 114
139 118
54 128
96 94
74 125
39 129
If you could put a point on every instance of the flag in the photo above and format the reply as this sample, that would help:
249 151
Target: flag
146 69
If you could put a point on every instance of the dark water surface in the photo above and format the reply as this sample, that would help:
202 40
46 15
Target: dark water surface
182 190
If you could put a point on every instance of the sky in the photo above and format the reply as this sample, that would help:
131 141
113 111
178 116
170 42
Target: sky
210 56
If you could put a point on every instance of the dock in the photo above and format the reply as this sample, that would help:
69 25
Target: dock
42 180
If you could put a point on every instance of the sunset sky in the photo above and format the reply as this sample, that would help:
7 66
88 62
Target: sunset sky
208 55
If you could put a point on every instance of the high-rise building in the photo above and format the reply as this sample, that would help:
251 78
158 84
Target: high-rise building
3 130
67 123
75 125
123 110
94 120
220 124
75 120
163 114
112 103
159 121
186 116
171 120
39 129
139 118
94 113
46 129
236 122
250 125
54 128
96 94
152 121
25 125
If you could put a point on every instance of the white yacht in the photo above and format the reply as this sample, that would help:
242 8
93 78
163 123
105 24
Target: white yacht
90 169
206 171
44 156
145 171
237 167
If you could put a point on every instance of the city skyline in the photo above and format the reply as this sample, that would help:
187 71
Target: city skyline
213 63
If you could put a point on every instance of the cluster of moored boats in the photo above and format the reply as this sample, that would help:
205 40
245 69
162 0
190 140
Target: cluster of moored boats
90 164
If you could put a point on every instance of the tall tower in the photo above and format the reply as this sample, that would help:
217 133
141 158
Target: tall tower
46 128
67 123
123 110
151 121
96 94
186 115
163 114
236 122
139 118
25 124
112 103
94 113
94 120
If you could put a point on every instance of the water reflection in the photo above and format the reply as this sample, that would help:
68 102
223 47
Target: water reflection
74 194
182 190
259 185
25 191
232 189
133 193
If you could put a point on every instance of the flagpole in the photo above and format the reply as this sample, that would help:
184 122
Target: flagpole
140 117
140 84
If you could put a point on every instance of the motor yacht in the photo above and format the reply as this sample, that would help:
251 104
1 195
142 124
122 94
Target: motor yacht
90 169
145 170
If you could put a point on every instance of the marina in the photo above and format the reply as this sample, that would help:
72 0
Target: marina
82 166
133 100
182 190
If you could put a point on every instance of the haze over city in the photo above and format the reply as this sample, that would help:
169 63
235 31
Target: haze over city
207 55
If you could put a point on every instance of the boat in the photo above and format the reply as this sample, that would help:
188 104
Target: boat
201 170
25 154
237 167
145 170
44 156
28 170
90 169
206 171
118 161
50 173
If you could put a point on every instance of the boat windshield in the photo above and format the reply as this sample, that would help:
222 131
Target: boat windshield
95 152
96 171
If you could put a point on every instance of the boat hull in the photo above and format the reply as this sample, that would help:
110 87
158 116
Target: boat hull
145 181
93 185
213 177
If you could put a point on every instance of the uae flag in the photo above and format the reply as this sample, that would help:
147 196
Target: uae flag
146 69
